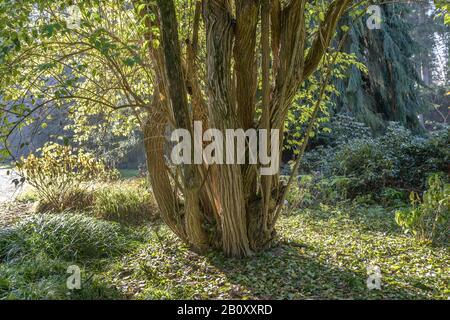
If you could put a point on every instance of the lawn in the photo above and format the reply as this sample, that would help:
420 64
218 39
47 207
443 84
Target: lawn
320 254
128 173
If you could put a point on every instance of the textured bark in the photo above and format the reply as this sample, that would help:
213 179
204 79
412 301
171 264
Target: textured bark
245 69
289 75
153 129
222 207
275 29
266 181
199 108
219 40
245 60
158 174
178 96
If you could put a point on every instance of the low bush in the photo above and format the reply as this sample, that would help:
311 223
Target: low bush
59 173
365 165
397 160
301 194
313 190
391 197
416 157
121 201
429 217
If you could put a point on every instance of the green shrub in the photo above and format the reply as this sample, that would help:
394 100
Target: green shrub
343 128
366 165
125 202
60 172
416 157
428 218
300 194
313 190
64 236
391 197
371 165
29 195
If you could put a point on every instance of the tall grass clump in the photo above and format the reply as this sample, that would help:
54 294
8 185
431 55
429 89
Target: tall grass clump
43 278
36 252
126 202
68 236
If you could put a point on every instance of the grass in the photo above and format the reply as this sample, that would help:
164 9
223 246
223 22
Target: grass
36 252
5 166
67 236
321 254
128 173
126 202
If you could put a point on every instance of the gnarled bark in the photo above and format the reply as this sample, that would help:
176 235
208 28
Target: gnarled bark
195 233
221 106
223 206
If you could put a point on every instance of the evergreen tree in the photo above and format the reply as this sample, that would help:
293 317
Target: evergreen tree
390 89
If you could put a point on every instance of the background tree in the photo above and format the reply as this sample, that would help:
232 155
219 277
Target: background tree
390 90
432 58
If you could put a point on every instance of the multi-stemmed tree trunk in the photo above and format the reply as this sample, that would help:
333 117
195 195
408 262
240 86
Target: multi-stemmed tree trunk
228 206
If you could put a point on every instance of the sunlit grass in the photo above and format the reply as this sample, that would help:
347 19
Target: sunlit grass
128 173
320 254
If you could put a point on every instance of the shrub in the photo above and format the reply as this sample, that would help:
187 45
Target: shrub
125 202
396 160
60 173
428 218
416 157
367 166
391 197
300 194
313 190
343 128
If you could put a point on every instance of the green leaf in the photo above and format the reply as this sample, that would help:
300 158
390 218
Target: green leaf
322 16
345 28
141 7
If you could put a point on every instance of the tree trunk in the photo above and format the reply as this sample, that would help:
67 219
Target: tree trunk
195 233
230 206
219 40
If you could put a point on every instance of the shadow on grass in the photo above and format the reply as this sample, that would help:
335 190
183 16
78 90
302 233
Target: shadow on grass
367 218
288 271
